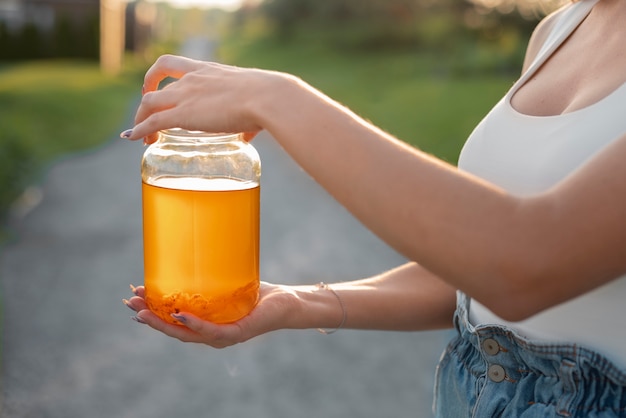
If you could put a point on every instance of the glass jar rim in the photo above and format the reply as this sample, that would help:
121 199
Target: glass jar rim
185 134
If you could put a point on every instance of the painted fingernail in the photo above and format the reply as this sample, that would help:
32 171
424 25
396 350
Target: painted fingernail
180 318
133 289
137 319
126 134
127 303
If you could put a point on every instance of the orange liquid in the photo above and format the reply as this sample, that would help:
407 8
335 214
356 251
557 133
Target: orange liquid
201 247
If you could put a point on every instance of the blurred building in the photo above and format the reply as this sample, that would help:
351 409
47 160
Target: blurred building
44 14
141 18
91 29
40 29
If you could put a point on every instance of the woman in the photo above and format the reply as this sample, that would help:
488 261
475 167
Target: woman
527 238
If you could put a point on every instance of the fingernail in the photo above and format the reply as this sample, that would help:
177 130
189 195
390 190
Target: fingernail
133 289
143 89
137 319
126 134
180 318
127 303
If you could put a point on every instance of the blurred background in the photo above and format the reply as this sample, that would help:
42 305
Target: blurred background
393 61
70 78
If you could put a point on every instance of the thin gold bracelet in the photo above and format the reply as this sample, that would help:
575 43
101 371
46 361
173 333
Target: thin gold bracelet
324 286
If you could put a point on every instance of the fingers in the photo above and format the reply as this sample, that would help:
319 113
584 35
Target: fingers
135 303
165 118
215 335
145 316
179 332
168 66
150 116
191 328
138 291
153 103
187 102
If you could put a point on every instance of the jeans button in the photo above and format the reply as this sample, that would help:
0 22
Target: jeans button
496 373
491 347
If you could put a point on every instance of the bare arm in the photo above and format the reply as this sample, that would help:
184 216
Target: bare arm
406 298
516 256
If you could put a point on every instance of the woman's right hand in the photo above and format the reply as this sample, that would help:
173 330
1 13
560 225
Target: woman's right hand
206 96
277 305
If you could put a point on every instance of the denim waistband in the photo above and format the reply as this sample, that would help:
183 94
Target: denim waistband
574 380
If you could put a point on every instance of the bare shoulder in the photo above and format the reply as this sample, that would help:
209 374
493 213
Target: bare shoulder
539 35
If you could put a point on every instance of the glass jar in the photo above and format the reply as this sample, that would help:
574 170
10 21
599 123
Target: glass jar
201 195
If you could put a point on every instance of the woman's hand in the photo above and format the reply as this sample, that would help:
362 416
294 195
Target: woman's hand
206 96
275 307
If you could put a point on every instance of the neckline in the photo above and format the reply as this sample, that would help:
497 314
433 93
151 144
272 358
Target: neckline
559 34
572 113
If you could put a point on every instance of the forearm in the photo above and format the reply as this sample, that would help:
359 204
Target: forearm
498 248
424 208
406 298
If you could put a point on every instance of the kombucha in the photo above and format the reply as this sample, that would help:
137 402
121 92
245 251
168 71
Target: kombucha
201 247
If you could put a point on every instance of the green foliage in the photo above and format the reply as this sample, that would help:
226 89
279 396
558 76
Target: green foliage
412 95
382 24
374 22
463 38
51 108
16 168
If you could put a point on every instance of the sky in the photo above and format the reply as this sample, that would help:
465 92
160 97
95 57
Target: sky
225 4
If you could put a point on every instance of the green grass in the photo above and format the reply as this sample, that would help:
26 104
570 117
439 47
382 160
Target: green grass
52 108
56 107
412 95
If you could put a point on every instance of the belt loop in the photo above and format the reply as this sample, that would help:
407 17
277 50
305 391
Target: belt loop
568 372
462 310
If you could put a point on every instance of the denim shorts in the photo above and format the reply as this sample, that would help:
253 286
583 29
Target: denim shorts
490 371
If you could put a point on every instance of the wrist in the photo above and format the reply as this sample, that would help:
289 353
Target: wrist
320 307
344 314
275 100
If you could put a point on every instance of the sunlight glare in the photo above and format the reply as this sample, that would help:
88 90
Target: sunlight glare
204 4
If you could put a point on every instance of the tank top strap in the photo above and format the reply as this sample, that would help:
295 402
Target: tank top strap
566 22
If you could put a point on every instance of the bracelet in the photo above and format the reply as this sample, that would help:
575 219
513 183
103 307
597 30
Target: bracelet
324 286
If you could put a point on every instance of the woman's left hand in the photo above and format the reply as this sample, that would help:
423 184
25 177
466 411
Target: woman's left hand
275 308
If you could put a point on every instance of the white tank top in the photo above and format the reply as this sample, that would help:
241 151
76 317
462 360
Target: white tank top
527 155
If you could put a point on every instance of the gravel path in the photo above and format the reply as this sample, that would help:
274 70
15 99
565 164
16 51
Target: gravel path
70 349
